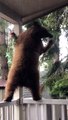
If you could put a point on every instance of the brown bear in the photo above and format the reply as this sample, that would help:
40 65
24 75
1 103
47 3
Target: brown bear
24 69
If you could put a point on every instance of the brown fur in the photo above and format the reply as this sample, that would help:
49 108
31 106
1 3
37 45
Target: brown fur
24 69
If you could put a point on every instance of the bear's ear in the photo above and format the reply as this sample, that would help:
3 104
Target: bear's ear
36 24
36 27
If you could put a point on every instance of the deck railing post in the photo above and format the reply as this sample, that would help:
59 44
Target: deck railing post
18 108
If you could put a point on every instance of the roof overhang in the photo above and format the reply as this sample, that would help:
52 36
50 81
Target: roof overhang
24 11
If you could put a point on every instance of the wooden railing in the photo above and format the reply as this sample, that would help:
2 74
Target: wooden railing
7 110
27 109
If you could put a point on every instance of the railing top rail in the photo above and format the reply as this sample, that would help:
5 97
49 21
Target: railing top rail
47 101
3 103
30 101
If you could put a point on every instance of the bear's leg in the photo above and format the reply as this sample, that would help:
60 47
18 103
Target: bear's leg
36 92
35 87
9 91
11 85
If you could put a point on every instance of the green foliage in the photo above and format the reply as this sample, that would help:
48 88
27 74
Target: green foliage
9 52
54 20
58 85
57 79
56 68
3 24
65 19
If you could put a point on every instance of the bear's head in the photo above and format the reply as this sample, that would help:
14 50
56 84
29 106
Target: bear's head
40 31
